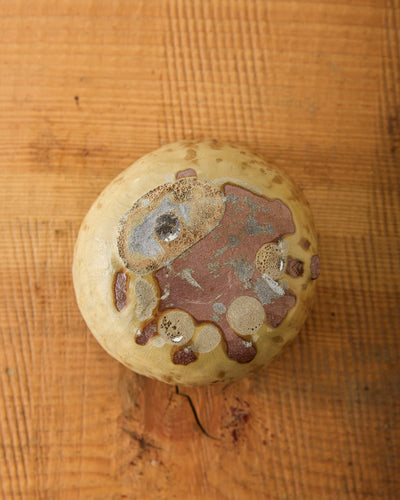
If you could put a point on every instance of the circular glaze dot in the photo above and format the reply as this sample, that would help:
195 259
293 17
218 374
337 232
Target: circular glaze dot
207 339
246 315
176 327
271 260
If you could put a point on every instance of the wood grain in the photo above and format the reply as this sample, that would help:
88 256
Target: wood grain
88 87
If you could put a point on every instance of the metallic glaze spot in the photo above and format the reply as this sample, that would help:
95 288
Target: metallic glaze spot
167 226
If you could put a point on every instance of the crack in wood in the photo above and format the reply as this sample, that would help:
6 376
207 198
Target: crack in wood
196 417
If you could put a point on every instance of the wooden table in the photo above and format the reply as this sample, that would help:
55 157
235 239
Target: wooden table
87 87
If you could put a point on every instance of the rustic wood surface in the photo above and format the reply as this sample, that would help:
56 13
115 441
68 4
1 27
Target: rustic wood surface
87 87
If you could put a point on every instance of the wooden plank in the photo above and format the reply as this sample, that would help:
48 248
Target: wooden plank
88 87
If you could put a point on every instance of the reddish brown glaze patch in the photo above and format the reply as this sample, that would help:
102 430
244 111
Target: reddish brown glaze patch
304 243
277 311
120 290
183 357
238 351
189 172
315 267
294 267
149 331
220 267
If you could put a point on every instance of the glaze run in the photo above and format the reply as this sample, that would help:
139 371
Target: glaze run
149 331
277 311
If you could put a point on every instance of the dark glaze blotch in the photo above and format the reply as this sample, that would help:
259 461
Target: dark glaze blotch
239 352
304 243
294 267
189 172
315 267
120 290
183 357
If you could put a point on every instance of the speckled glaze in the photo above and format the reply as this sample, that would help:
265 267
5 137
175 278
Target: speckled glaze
197 264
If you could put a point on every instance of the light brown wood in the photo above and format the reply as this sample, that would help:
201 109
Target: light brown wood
88 87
